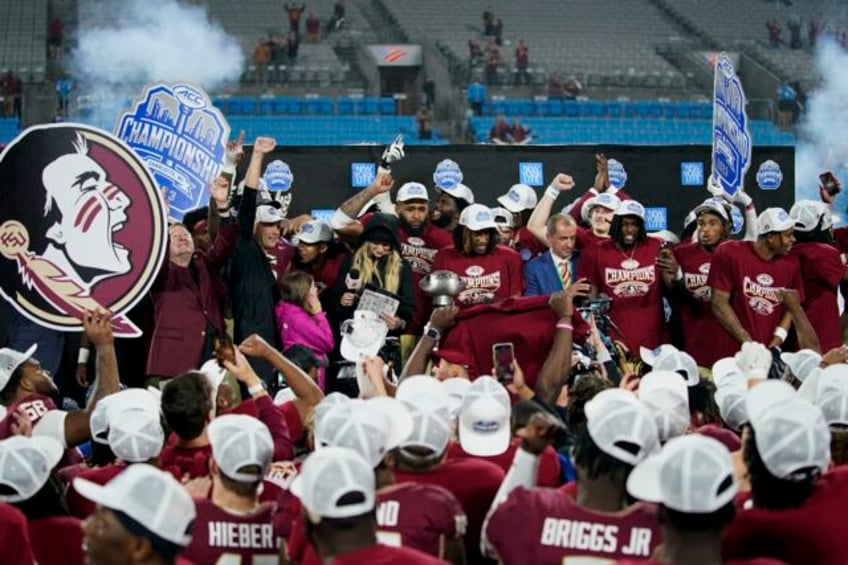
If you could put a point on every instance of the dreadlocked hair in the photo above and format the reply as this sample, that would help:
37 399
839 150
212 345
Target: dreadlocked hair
768 491
369 269
616 231
463 240
589 457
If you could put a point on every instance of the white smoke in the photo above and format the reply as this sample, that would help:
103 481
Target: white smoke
136 42
824 132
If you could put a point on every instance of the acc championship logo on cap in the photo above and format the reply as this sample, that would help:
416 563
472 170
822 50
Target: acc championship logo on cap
447 174
81 227
181 137
617 174
769 175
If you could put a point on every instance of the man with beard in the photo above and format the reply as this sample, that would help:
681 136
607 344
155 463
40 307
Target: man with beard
419 238
451 202
490 272
686 270
757 288
624 268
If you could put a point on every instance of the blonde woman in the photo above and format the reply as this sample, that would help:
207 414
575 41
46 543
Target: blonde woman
377 263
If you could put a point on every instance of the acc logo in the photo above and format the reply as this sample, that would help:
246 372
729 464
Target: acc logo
82 226
278 176
531 173
182 137
769 175
474 271
617 174
362 174
415 241
447 174
765 279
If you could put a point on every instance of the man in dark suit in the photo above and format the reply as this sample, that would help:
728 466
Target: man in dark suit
555 269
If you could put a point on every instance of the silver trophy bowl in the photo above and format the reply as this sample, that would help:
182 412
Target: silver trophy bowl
442 286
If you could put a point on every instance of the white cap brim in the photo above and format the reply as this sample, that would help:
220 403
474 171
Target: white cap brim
481 445
644 481
351 352
509 204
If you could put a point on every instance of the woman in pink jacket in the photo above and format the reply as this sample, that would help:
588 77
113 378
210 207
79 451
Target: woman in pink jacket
300 320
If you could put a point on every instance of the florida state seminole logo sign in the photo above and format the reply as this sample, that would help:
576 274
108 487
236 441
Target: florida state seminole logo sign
81 226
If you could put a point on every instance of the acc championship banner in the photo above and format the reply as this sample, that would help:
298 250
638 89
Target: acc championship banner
82 226
731 138
182 137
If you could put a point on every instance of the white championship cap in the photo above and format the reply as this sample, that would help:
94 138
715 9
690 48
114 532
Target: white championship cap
621 426
802 362
665 395
239 440
330 475
364 426
712 206
832 395
109 406
518 198
10 360
412 191
314 231
807 214
791 434
477 217
503 218
431 424
268 214
363 335
774 220
681 363
151 497
26 464
630 208
650 356
692 474
604 200
484 427
460 191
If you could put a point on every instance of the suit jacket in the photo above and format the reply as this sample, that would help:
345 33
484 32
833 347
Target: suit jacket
182 306
541 275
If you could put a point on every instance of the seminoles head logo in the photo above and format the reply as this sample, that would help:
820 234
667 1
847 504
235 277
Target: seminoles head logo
81 226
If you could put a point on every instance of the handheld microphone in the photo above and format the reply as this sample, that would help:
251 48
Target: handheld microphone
352 280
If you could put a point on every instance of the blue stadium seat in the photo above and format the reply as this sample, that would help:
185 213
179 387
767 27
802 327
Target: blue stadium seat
667 109
540 107
513 108
295 106
499 107
370 106
387 106
615 108
597 109
571 108
346 106
555 108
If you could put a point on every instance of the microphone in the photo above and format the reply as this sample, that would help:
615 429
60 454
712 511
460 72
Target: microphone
352 280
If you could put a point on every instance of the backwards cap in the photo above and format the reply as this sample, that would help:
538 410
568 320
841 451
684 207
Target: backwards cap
330 475
620 426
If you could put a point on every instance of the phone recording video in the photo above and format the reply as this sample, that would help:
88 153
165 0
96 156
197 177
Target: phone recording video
830 183
503 355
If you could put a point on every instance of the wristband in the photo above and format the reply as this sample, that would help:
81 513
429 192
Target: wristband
229 169
82 358
257 388
564 326
552 191
780 333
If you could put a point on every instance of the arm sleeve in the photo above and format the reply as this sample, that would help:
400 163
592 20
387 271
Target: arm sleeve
247 212
271 417
531 282
224 245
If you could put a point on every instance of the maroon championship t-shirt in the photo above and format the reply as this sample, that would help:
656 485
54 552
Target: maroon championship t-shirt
487 278
420 252
812 534
218 532
542 526
549 468
696 311
631 278
418 516
587 238
821 273
753 285
57 539
34 405
473 482
527 322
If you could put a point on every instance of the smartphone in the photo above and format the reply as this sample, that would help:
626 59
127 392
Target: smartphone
503 355
830 183
224 350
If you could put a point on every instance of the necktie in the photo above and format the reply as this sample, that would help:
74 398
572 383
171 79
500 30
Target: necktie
565 273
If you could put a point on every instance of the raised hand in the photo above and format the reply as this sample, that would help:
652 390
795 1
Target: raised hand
219 189
393 152
97 325
562 182
255 346
444 317
264 145
383 182
235 149
540 432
